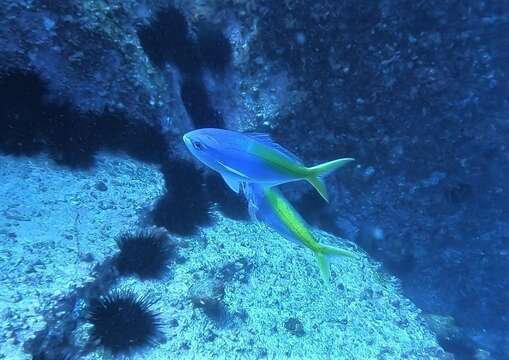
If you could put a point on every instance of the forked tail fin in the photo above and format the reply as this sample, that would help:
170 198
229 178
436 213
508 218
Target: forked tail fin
323 263
318 172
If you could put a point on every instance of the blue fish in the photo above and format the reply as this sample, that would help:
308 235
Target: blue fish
255 158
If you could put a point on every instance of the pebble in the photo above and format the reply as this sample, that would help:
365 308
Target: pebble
104 206
6 313
101 186
88 257
295 327
13 214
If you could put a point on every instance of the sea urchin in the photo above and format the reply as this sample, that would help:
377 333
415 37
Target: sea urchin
145 253
123 321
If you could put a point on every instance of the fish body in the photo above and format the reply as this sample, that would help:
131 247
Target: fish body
268 205
254 158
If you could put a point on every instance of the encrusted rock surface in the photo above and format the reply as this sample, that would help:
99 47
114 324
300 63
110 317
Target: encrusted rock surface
416 92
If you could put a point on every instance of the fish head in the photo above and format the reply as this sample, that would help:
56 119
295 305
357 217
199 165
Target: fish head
204 144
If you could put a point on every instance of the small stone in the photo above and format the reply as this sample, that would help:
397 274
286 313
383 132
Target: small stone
295 327
6 313
210 336
104 206
262 353
87 257
101 186
13 214
403 323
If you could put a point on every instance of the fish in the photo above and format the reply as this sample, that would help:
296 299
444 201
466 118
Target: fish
255 158
269 206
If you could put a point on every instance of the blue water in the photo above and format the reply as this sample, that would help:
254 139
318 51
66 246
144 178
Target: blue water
115 241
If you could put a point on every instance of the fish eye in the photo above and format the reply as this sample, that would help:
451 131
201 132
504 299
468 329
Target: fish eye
198 145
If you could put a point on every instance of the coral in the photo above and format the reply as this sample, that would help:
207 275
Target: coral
123 321
279 282
145 253
185 205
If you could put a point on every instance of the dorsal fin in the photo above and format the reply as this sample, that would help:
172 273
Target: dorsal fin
268 141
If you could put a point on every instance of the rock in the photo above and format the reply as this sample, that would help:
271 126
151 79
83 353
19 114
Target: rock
208 295
443 326
294 327
101 186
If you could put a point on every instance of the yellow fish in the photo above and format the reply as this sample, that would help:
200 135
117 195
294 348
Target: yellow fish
268 205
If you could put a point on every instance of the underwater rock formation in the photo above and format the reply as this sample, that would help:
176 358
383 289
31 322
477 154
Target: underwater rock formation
412 91
416 95
47 228
269 282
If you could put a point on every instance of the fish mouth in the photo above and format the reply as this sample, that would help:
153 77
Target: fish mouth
187 140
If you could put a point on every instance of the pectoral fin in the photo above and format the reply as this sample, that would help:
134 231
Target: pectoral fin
232 182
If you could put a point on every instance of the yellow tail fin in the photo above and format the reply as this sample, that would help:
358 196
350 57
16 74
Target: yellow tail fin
324 267
323 263
316 174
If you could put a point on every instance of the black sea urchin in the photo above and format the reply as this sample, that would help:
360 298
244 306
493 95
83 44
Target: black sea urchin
145 253
123 321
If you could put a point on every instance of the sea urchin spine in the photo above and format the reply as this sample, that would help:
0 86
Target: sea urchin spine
145 253
123 321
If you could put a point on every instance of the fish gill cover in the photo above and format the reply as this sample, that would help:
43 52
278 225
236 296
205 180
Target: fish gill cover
416 92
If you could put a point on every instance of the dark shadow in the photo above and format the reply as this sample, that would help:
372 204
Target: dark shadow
166 39
215 48
30 125
229 203
185 206
196 100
